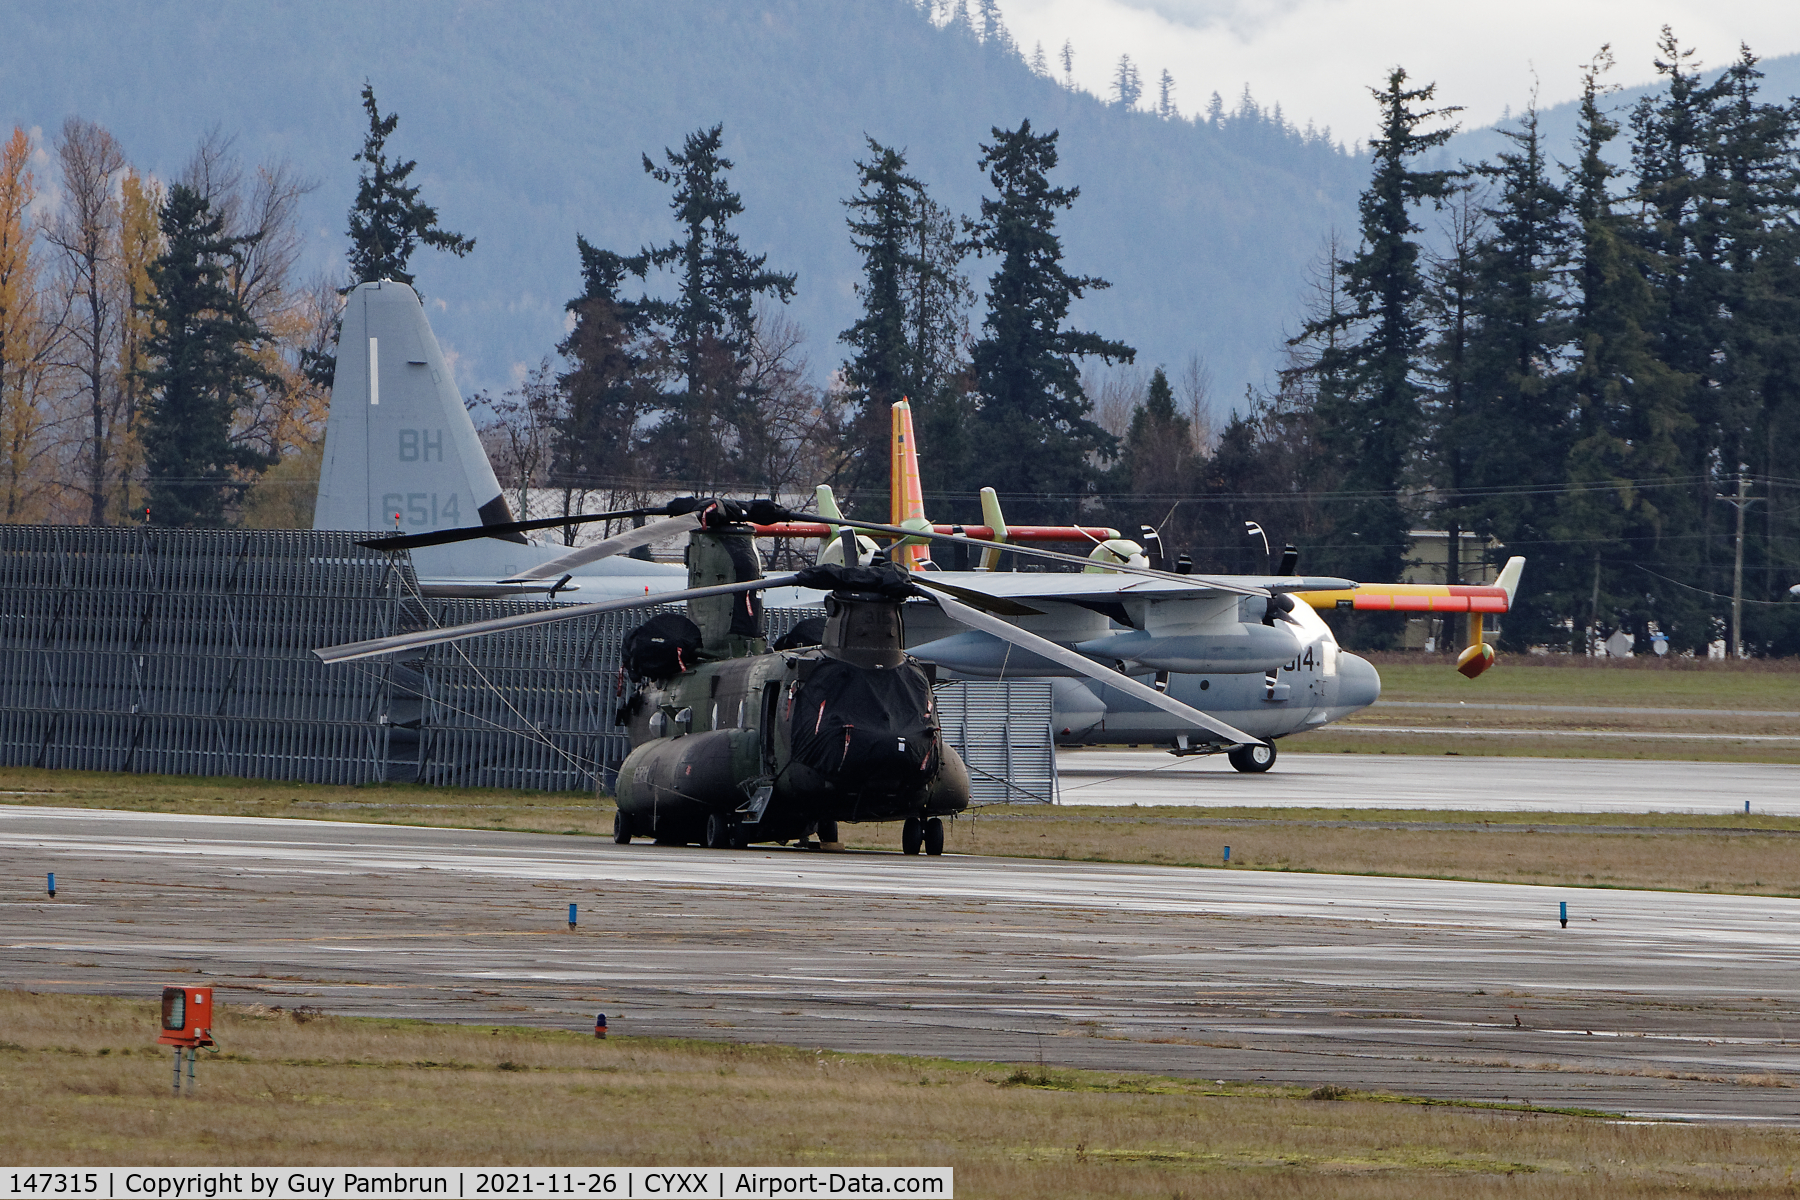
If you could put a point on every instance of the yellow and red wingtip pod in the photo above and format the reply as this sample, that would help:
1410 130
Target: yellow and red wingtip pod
1475 659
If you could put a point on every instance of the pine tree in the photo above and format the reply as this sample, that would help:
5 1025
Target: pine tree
709 324
201 368
1629 407
611 388
1127 84
1370 408
1519 432
1160 460
388 221
913 295
1165 97
1033 413
1747 211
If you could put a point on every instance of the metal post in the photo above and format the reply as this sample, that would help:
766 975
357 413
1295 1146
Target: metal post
1740 501
177 1088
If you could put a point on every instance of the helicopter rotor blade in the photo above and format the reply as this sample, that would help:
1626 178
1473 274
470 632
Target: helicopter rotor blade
444 537
1210 581
1078 662
631 539
351 651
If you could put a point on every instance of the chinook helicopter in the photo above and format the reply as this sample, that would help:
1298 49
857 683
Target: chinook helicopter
736 742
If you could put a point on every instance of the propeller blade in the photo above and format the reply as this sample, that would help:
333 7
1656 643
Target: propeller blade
631 539
443 537
351 651
1069 658
1210 581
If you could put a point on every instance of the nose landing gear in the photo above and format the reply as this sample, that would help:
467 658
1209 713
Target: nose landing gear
927 833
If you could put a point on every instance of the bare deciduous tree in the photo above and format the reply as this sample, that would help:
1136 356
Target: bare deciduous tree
791 441
84 235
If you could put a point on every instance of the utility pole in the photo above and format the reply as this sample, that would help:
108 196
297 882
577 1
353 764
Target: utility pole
1741 501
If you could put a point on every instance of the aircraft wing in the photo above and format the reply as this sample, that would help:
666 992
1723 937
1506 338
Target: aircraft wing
1495 597
1074 588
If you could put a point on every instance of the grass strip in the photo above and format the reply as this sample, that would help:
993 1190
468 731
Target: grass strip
90 1088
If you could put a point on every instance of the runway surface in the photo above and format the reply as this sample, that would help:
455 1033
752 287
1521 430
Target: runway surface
1430 781
1657 1004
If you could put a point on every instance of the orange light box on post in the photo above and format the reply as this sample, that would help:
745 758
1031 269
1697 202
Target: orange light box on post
186 1025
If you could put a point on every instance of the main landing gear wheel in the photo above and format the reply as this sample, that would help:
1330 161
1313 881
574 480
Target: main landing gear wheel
934 836
912 835
718 832
621 828
1254 758
828 833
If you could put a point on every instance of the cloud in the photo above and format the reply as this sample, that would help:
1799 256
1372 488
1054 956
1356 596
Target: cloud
1244 18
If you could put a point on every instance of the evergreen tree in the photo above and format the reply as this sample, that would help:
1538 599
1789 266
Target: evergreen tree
388 221
1681 258
1452 300
1629 408
1518 430
709 324
611 387
1371 409
913 296
1748 210
1127 84
1033 415
202 367
1160 464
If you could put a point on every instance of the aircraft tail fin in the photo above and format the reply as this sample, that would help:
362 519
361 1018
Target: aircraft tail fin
990 512
400 449
1508 579
906 498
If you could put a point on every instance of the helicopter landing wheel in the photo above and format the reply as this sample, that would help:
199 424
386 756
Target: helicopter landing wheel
828 832
912 835
718 832
621 828
1253 759
934 836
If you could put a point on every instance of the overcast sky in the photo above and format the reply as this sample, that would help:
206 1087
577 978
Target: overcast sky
1317 58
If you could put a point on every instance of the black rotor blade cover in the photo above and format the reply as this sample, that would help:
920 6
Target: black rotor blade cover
872 727
889 580
662 647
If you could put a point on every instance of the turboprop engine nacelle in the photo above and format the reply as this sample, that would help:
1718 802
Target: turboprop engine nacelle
1236 649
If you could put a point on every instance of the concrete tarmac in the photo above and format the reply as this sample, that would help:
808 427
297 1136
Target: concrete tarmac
1657 1004
1466 782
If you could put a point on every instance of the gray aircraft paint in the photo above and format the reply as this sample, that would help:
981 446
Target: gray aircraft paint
399 440
1320 684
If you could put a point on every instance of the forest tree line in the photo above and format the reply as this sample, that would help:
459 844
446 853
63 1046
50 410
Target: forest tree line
1571 360
1586 363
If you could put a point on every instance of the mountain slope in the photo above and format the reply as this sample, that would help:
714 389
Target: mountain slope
528 122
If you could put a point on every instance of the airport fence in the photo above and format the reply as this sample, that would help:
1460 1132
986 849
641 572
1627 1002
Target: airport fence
188 652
